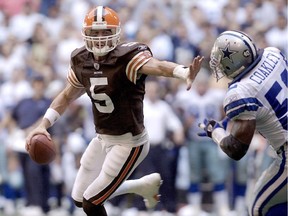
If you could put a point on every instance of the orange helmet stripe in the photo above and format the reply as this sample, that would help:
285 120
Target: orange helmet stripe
111 18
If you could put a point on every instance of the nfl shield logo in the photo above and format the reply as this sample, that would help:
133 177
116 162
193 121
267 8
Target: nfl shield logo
96 66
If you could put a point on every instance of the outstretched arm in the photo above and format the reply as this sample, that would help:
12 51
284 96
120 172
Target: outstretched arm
170 69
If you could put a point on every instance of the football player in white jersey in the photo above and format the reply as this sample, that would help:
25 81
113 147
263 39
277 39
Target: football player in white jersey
256 100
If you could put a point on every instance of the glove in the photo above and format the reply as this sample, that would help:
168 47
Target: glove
209 125
224 122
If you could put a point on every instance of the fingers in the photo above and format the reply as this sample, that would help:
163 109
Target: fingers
207 127
27 147
189 84
47 135
33 133
202 134
28 142
201 125
196 65
194 69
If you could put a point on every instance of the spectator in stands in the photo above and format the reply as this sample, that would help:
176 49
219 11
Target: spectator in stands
160 120
36 177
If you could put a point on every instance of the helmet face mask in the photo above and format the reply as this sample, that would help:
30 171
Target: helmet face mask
101 30
231 54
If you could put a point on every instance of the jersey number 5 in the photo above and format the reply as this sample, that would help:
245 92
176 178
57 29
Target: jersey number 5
271 96
102 101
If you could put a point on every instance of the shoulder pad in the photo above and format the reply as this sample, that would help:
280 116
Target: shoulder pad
125 48
77 51
133 45
272 49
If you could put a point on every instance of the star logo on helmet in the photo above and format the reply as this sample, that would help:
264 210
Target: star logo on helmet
227 53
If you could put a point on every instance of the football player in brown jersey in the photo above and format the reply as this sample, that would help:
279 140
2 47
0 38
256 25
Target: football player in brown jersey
113 75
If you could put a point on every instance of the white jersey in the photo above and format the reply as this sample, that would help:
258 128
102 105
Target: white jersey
262 95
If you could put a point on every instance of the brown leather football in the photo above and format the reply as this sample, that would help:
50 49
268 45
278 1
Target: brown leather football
42 150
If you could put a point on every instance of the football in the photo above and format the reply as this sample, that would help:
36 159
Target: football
42 150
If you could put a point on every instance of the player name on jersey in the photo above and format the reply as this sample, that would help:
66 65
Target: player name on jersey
265 69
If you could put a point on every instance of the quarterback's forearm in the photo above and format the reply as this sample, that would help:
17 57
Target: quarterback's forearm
158 68
60 104
56 109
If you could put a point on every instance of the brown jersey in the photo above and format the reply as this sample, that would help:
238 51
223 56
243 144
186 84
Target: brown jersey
114 86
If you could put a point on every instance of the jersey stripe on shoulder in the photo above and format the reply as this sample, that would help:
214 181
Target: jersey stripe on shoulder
72 79
135 63
237 107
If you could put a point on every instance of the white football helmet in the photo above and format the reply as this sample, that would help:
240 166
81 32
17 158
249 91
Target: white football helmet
100 19
232 53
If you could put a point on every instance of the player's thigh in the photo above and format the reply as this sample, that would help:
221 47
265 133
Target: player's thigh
124 157
217 165
119 163
94 156
91 164
270 189
195 165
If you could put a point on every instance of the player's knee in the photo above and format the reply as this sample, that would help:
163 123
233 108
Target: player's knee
78 204
91 210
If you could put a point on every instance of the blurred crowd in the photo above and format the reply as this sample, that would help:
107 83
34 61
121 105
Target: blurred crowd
36 39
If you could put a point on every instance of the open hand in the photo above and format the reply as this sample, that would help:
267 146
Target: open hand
194 68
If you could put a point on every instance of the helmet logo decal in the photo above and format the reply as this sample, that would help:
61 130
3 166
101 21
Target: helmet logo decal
227 53
246 53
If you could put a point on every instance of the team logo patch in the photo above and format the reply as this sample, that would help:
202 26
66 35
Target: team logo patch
96 66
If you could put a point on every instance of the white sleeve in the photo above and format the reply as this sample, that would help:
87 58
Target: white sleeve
238 105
